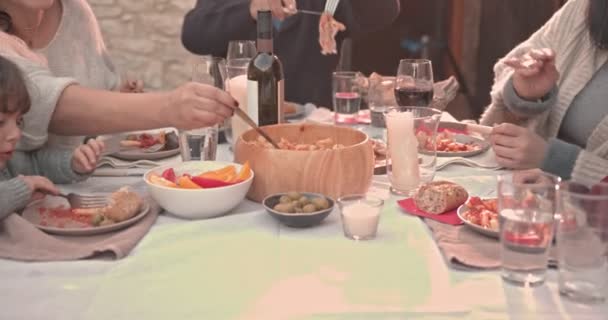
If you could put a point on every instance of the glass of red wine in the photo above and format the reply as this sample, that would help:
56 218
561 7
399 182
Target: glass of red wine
414 83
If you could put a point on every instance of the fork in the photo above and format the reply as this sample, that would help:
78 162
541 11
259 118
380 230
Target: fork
330 6
85 201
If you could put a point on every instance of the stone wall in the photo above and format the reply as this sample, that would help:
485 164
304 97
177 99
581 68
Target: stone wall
143 37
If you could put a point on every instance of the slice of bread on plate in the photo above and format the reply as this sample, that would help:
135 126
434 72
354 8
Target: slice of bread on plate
440 197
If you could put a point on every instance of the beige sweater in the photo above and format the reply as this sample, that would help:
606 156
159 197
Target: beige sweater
77 53
577 60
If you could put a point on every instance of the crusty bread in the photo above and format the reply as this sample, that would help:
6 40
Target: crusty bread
123 205
439 197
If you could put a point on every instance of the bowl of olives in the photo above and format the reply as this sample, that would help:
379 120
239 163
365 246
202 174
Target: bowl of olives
299 209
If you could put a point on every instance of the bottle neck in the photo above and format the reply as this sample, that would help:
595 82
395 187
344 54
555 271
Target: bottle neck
265 45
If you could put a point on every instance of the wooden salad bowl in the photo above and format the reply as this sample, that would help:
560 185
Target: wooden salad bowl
334 173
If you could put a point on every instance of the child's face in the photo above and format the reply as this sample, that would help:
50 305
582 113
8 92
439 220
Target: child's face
10 133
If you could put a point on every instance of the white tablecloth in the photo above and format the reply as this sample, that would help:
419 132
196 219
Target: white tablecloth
246 266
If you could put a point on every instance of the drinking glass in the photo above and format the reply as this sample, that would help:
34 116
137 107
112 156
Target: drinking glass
240 51
201 143
346 92
411 147
582 240
380 97
360 216
527 202
414 83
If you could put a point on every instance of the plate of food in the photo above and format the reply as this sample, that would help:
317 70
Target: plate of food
451 144
481 215
293 110
54 215
148 145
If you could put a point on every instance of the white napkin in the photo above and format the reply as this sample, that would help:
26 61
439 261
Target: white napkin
113 167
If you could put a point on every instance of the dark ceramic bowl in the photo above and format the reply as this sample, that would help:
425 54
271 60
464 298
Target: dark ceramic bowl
298 220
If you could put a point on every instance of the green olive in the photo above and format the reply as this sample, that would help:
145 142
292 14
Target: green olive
284 208
303 201
309 208
321 203
294 195
285 199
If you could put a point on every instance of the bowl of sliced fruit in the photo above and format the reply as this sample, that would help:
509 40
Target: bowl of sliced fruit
199 189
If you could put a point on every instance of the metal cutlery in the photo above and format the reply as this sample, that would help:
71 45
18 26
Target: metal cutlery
85 201
252 124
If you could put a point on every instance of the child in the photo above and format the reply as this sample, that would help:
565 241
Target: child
21 179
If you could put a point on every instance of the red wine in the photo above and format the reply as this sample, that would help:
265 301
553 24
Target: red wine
265 77
414 96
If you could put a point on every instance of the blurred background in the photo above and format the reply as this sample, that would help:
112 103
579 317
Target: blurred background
461 37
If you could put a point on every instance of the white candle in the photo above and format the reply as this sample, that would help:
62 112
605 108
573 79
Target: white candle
238 89
403 151
360 220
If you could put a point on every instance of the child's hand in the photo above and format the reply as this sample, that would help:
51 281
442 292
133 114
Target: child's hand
40 186
130 84
86 156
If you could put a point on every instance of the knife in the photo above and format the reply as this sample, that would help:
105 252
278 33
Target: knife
468 127
243 115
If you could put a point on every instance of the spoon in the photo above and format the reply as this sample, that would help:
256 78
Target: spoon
252 124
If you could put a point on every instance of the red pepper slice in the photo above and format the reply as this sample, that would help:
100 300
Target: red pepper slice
169 174
210 183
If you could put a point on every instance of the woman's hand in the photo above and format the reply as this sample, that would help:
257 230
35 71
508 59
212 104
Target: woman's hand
280 9
39 186
86 156
517 147
196 105
535 73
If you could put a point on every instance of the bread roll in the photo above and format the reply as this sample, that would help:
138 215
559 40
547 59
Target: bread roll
440 197
123 205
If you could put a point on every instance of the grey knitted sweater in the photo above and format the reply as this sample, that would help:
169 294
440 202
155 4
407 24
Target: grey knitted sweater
54 164
577 60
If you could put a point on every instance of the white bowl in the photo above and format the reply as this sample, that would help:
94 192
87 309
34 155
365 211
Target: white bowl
198 203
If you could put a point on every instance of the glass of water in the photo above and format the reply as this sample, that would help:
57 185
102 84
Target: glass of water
201 144
582 241
527 202
346 91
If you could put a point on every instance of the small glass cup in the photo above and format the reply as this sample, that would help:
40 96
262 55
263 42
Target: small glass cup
201 144
360 216
380 97
347 91
411 147
527 203
582 240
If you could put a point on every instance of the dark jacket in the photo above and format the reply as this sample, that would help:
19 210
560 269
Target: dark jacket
212 24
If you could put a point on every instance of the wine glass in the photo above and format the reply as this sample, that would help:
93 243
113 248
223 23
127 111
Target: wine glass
414 83
240 52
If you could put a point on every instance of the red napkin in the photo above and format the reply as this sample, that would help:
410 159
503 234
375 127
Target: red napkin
364 117
450 217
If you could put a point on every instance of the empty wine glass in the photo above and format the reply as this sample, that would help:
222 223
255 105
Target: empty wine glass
414 83
240 52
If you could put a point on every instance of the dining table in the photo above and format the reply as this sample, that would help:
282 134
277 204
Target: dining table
246 265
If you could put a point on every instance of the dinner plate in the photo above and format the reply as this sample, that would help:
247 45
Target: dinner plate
33 214
136 154
463 138
300 111
487 232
